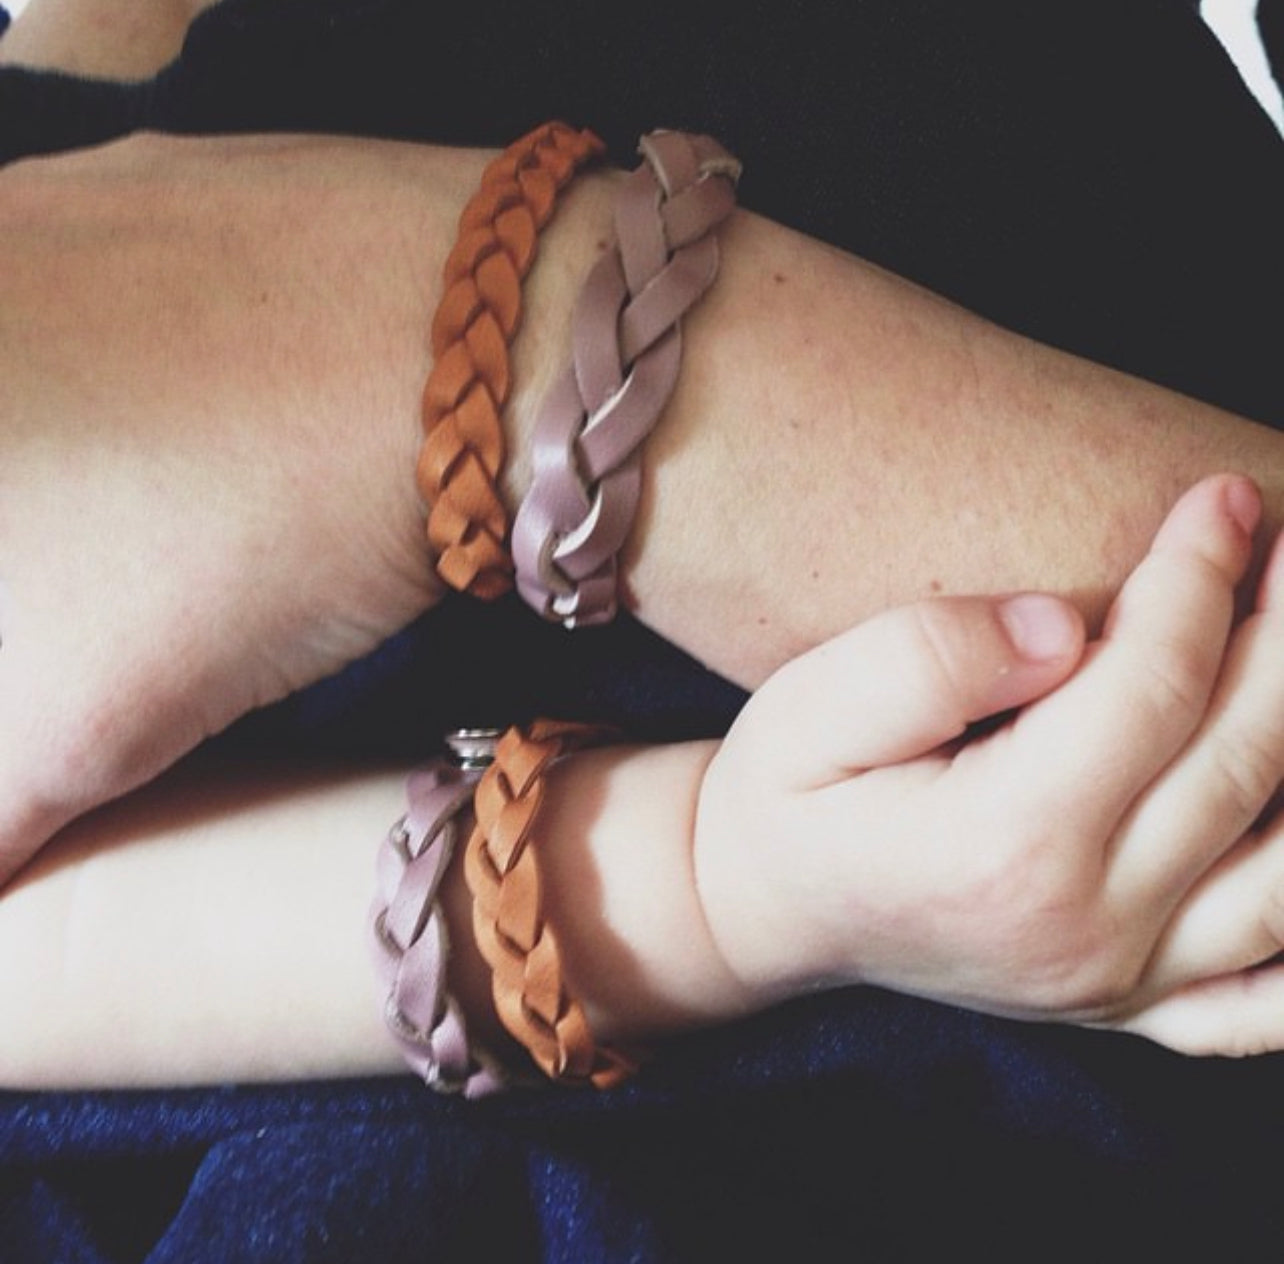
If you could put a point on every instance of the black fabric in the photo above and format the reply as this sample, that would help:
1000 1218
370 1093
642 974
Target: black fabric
1270 22
1094 175
46 113
1058 176
1057 172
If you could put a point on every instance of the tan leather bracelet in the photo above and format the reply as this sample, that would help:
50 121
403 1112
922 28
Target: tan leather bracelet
476 320
502 872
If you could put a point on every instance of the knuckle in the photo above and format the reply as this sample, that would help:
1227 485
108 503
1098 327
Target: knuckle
1245 1036
1051 935
1248 767
1074 962
1272 918
950 648
1177 676
1088 977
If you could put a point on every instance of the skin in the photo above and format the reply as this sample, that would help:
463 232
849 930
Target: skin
100 39
902 414
215 353
1150 904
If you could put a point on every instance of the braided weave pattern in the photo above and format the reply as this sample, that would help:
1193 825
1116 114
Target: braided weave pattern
626 352
463 448
502 873
408 935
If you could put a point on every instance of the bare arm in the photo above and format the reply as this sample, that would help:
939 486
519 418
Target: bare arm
1105 858
842 440
208 433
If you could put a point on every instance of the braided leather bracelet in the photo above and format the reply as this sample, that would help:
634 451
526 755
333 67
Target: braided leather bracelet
501 871
408 933
626 352
463 449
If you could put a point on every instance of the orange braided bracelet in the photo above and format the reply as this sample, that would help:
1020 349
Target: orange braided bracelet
502 873
463 449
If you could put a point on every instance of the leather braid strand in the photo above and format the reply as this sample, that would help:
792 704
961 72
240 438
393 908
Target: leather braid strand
476 320
501 870
626 353
408 939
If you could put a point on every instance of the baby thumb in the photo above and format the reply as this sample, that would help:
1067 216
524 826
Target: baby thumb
912 678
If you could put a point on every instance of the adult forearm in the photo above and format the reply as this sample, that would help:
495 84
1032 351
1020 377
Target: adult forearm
841 440
236 383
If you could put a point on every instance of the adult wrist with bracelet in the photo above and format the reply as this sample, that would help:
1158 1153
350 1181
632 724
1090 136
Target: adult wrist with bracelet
463 449
626 351
626 355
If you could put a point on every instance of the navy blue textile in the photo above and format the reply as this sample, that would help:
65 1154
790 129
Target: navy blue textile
1092 174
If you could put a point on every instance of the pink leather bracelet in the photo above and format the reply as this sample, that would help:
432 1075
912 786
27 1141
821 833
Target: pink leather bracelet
408 934
626 352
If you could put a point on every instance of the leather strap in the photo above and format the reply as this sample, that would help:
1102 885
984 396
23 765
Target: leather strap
463 449
502 872
408 935
626 352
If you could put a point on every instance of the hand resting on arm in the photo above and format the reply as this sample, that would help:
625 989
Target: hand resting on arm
1105 855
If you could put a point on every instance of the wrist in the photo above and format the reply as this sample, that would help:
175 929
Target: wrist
578 234
772 923
413 207
616 837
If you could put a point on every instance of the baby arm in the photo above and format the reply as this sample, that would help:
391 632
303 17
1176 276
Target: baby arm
1107 856
1103 857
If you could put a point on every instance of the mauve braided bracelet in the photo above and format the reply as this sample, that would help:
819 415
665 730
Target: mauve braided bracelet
408 933
626 352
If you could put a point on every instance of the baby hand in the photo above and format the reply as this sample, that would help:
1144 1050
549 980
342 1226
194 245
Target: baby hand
1105 856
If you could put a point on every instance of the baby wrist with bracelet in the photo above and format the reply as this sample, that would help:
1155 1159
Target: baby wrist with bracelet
409 940
501 779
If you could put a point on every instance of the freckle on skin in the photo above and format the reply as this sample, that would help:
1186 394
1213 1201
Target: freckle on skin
778 278
935 585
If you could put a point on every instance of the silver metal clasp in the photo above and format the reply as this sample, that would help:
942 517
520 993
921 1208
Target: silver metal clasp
473 749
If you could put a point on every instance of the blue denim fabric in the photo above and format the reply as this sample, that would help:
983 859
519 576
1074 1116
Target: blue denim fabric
1091 174
861 1120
